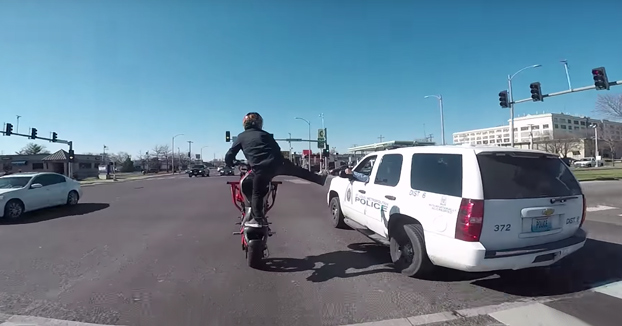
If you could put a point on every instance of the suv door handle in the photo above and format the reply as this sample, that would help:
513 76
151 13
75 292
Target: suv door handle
362 191
389 197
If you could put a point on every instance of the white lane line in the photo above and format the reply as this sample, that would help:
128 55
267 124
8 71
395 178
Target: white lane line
599 208
18 320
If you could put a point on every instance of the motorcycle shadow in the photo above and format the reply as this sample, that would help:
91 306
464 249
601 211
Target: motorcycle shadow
364 258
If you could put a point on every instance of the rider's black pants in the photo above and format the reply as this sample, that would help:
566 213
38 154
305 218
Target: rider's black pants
263 176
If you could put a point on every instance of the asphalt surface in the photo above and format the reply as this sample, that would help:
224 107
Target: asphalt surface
160 251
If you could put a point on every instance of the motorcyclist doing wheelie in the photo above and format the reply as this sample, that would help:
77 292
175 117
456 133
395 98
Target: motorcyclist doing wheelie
264 156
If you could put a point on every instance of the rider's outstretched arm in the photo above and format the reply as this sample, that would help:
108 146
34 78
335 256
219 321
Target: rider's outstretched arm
233 152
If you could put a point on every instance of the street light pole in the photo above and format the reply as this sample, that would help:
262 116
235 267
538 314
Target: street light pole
440 103
173 155
290 146
510 77
309 123
202 153
323 160
595 126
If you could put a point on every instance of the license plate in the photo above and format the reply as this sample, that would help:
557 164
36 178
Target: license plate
541 225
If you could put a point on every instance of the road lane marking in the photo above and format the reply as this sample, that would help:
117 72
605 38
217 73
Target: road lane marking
599 208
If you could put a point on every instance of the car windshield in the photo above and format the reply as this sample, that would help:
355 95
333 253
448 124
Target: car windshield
198 166
14 182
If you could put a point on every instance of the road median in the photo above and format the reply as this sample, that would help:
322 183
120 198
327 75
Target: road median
93 182
597 174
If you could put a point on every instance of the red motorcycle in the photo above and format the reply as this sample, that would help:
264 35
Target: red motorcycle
254 239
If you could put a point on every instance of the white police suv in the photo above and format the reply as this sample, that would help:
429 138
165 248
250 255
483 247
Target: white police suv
464 207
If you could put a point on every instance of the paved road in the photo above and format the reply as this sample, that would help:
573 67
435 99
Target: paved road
159 251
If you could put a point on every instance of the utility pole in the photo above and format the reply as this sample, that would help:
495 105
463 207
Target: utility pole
381 138
190 149
290 145
323 160
17 124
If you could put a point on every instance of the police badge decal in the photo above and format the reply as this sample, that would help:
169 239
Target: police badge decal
348 193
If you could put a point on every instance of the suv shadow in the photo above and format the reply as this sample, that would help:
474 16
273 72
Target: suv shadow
597 263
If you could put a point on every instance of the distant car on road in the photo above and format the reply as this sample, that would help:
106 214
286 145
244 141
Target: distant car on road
226 171
198 170
25 192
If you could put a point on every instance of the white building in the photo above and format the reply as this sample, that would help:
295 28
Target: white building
543 127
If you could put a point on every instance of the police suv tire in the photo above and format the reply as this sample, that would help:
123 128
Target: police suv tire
411 236
337 214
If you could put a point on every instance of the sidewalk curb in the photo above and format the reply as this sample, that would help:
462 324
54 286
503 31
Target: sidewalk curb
102 182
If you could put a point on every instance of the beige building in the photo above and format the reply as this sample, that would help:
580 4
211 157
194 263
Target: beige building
84 166
568 135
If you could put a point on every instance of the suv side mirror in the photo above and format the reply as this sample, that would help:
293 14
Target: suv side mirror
36 185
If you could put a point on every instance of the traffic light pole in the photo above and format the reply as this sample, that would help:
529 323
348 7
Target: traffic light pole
61 141
580 89
511 94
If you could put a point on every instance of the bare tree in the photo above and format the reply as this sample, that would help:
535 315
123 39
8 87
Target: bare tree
119 157
562 144
609 105
163 152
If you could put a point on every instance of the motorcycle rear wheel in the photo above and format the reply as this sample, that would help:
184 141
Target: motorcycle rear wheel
254 255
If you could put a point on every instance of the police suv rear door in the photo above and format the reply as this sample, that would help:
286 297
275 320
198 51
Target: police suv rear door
530 198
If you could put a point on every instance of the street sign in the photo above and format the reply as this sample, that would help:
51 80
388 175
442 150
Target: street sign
321 138
321 135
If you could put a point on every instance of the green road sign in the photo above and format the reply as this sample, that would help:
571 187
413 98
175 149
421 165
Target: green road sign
321 135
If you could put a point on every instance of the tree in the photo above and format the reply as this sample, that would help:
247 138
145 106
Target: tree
562 144
609 105
163 153
119 157
33 149
128 165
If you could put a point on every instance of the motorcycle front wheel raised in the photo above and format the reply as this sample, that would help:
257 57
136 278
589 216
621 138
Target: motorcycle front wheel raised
254 254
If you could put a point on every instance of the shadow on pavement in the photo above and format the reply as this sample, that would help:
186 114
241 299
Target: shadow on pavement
597 263
58 212
336 264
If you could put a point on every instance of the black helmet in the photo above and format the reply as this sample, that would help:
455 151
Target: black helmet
252 120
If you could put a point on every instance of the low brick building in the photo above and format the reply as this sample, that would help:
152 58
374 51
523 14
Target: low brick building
85 166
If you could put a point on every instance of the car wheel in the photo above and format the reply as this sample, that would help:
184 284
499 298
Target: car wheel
189 175
14 209
72 198
337 214
408 252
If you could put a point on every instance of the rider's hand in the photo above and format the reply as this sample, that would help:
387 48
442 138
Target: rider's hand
348 171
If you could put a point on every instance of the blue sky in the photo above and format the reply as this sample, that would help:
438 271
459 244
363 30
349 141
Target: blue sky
131 74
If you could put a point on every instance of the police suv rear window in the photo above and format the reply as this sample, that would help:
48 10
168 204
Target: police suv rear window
437 173
516 175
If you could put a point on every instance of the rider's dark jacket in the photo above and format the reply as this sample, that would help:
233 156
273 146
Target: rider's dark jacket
259 148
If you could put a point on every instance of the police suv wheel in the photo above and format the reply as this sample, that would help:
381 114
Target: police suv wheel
337 214
408 252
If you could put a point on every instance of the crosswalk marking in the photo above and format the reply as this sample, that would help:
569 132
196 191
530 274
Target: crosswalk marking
599 208
18 320
536 314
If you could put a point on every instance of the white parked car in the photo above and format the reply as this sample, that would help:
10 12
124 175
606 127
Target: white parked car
464 207
24 192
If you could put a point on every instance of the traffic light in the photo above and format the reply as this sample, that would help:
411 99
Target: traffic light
503 99
8 129
536 92
33 133
54 136
71 156
600 78
227 136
